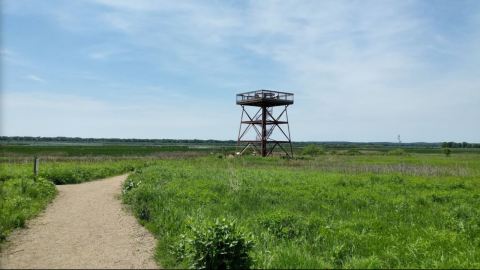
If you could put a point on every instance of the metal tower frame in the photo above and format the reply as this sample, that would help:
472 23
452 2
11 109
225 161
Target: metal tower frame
263 122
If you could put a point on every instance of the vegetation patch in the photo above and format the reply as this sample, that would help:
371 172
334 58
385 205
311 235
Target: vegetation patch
216 245
397 152
303 215
313 150
21 199
71 172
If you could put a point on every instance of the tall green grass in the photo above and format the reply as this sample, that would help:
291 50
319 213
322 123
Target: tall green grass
304 214
71 172
21 199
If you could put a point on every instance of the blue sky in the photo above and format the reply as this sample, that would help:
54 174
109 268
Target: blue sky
360 70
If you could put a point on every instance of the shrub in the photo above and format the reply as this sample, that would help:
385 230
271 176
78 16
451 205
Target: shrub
282 225
216 246
447 151
313 150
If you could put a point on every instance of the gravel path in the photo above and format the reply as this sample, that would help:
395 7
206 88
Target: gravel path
85 226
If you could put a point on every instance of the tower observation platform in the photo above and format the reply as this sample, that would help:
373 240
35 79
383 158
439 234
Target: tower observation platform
266 98
264 122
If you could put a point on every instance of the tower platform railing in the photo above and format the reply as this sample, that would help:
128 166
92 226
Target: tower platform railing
268 97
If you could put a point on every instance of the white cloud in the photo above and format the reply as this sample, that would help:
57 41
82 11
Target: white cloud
361 70
104 55
35 78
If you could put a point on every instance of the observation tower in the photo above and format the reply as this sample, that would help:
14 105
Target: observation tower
269 129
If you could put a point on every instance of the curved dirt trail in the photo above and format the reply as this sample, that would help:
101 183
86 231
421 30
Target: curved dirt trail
85 226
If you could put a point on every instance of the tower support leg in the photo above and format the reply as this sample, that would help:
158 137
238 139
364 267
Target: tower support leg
264 131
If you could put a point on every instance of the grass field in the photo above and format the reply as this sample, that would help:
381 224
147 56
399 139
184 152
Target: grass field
342 209
415 211
10 151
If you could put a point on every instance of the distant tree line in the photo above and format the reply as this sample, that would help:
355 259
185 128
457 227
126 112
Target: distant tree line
27 139
460 145
338 144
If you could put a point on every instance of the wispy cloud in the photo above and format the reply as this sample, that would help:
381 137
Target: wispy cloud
104 54
34 78
362 70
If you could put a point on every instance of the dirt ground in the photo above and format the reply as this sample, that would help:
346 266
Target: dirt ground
86 226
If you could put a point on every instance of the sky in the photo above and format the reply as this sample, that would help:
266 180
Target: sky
360 70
